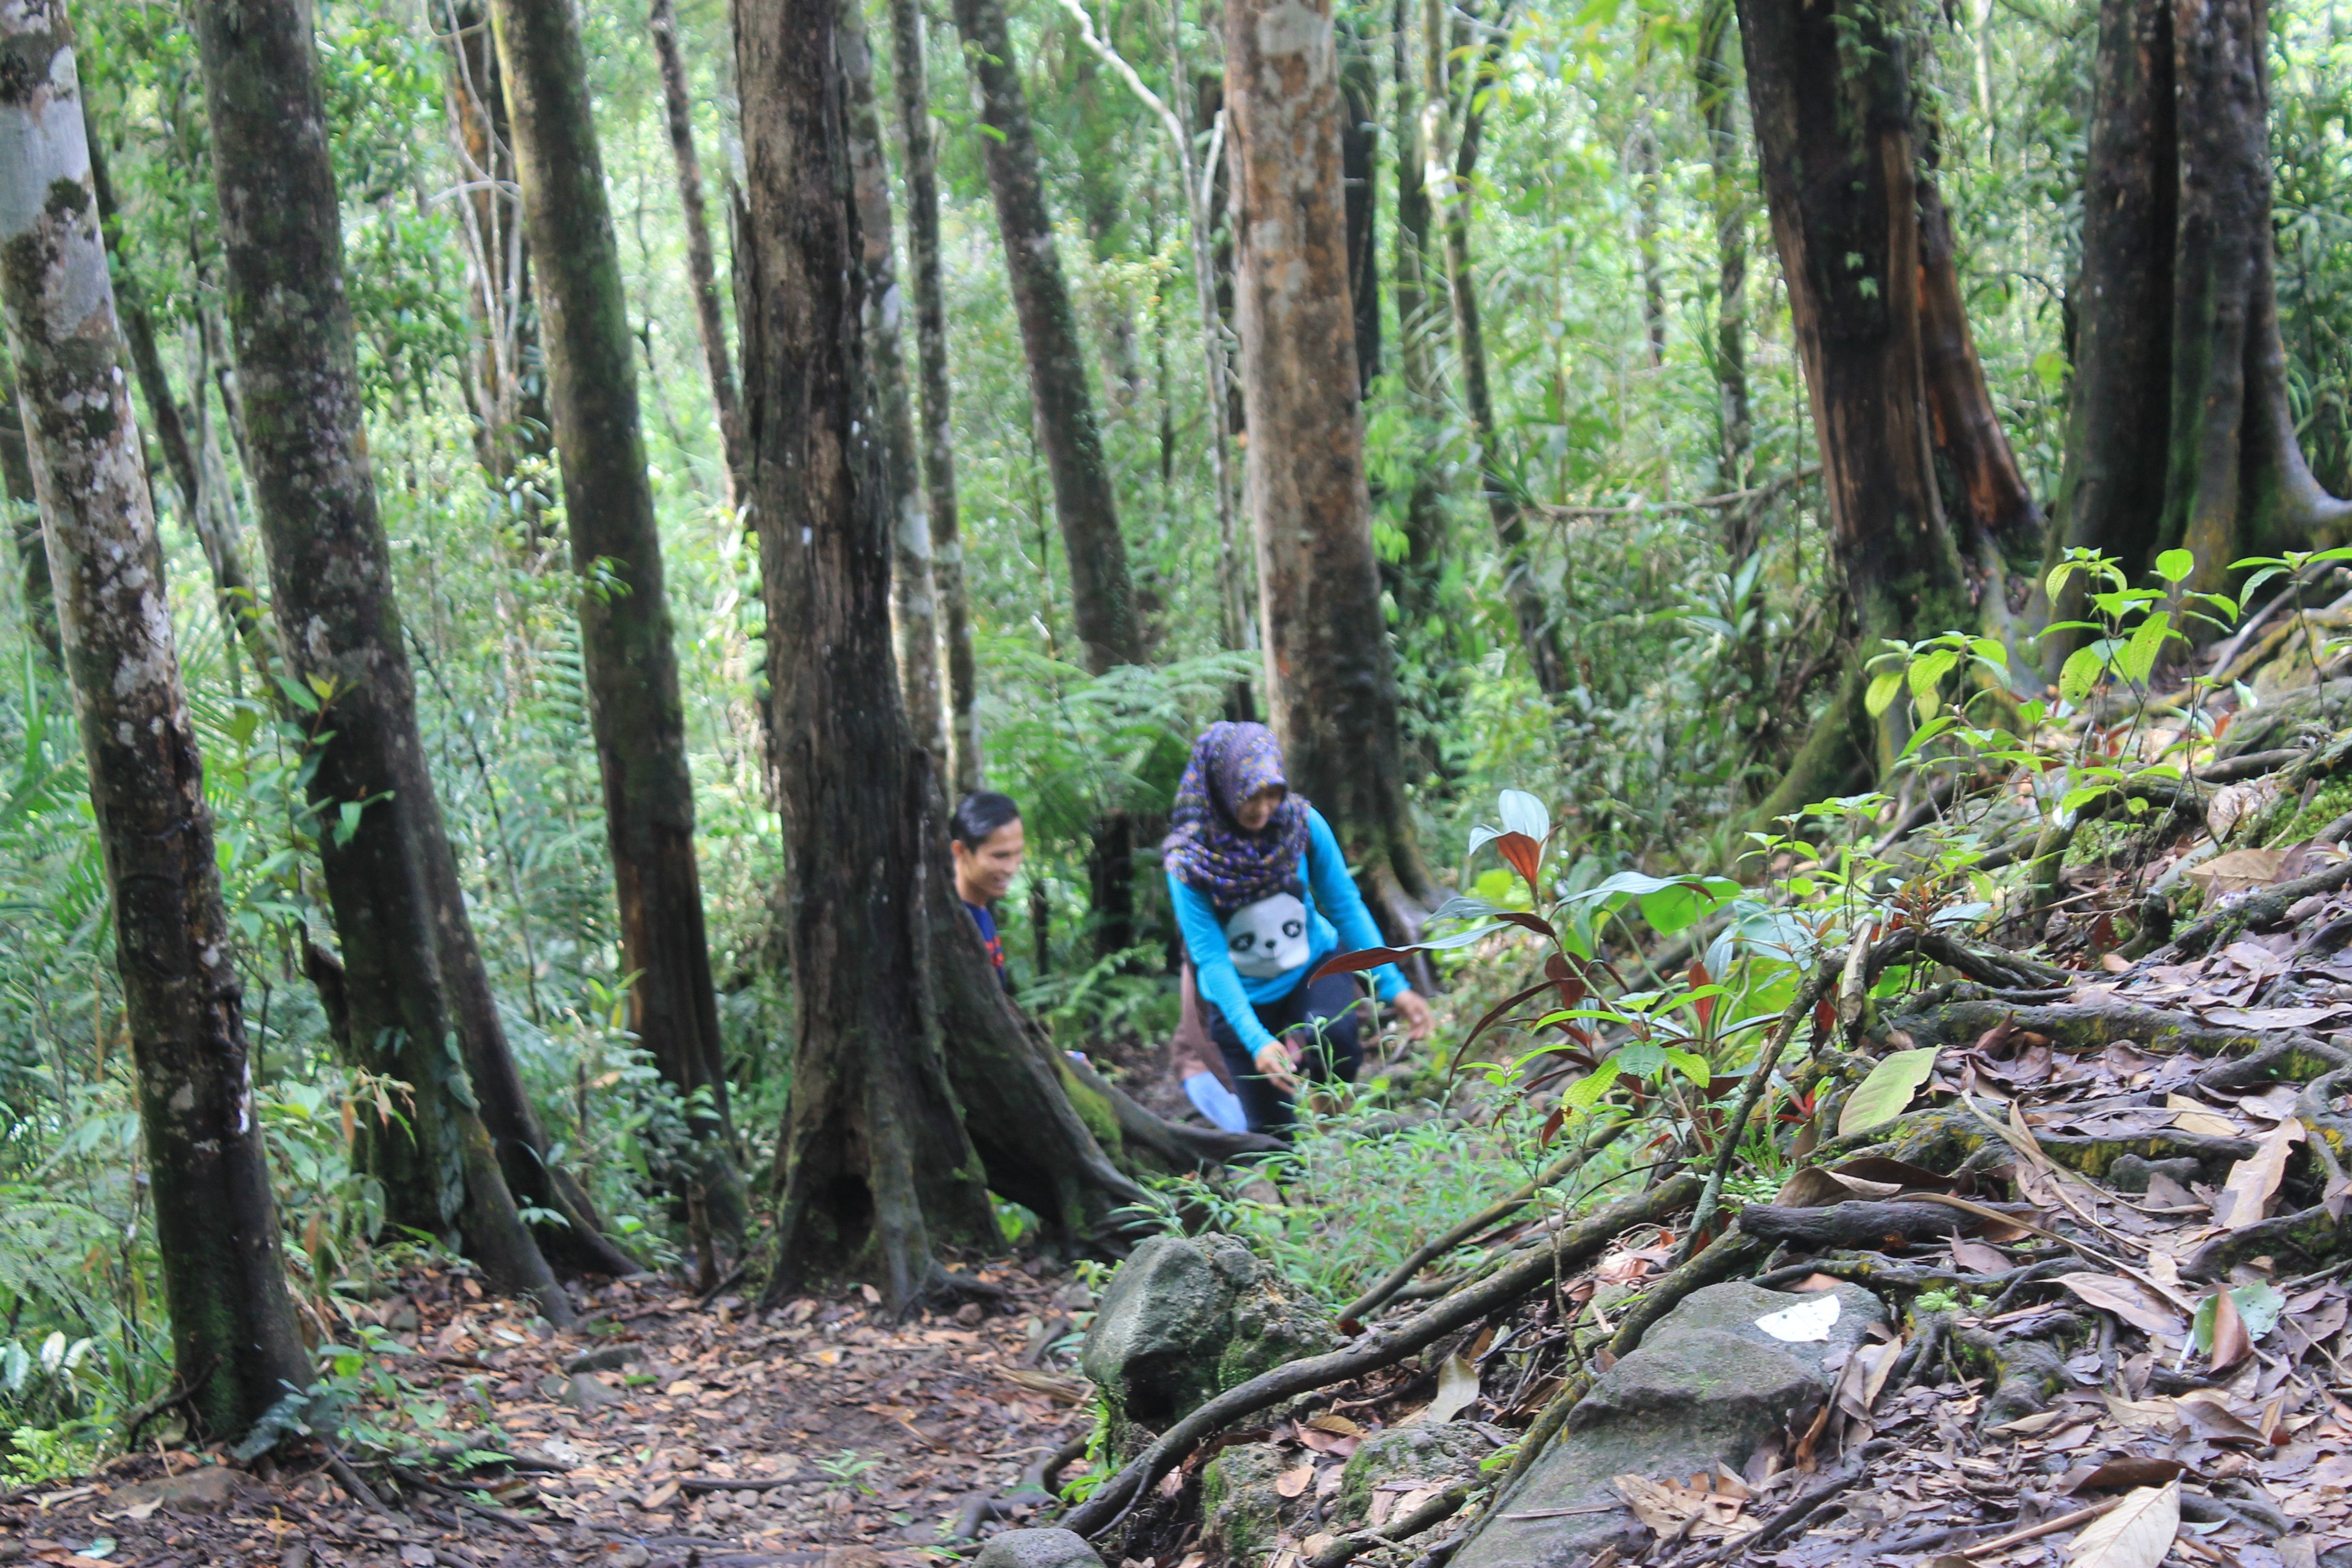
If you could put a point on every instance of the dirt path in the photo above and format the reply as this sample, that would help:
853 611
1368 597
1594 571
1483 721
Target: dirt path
861 1440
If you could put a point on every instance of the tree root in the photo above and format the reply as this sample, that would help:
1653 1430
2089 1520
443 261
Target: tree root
1946 1137
1854 1222
1381 1348
1806 1503
2312 1232
1728 1255
1181 1148
2263 909
2028 1370
1436 1511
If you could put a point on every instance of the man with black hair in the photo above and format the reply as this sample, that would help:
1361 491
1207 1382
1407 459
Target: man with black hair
987 847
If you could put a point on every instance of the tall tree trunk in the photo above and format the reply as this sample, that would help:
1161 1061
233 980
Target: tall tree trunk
1328 666
241 611
1418 317
2179 431
1103 603
910 83
1646 249
702 267
1712 66
626 636
1359 146
1829 88
235 1346
381 837
25 527
1102 594
507 392
1538 638
914 611
877 1170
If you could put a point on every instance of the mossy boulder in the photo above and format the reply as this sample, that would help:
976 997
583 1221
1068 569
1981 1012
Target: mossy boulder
1708 1386
1433 1456
1186 1317
1242 1514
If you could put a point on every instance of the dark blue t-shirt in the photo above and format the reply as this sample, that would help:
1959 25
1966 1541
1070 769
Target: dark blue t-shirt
990 939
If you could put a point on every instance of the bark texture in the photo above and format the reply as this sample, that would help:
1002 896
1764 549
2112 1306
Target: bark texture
382 842
235 1345
914 608
25 527
1833 118
1101 589
1329 664
876 1170
2180 430
702 266
910 85
626 639
1420 268
1714 72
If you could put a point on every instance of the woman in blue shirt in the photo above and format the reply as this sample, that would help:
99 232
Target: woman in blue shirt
1263 896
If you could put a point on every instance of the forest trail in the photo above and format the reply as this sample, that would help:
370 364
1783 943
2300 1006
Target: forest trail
875 1436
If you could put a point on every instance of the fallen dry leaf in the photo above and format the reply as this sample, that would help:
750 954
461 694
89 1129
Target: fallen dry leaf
2247 1193
1457 1389
2136 1534
2231 1343
1294 1482
2195 1116
2129 1470
2127 1299
1670 1510
1977 1258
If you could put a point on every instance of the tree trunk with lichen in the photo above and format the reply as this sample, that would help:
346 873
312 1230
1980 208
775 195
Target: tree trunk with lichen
382 842
627 637
1420 268
1331 674
910 85
24 528
235 1344
2179 433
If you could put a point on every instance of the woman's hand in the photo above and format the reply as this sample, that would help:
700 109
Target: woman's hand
1276 1060
1412 1009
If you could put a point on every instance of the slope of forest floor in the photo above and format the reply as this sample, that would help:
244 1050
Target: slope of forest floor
691 1432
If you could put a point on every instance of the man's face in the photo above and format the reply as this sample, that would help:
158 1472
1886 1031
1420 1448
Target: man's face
983 871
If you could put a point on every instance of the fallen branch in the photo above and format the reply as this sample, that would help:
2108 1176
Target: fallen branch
348 1478
1728 1255
1803 1506
2265 908
2081 1516
1378 1349
1857 1221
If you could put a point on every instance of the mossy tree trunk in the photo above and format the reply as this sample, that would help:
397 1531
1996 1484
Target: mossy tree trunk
2179 433
235 1344
1331 673
1828 87
382 841
627 640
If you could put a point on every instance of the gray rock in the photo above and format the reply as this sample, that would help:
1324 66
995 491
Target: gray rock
1431 1455
206 1490
605 1358
1186 1317
1241 1512
1037 1549
1706 1388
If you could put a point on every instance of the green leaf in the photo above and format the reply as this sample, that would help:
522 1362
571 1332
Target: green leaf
1691 1065
2259 1304
2139 656
1523 813
1884 688
1887 1092
2081 673
2174 565
1586 1092
1927 676
347 821
1640 1057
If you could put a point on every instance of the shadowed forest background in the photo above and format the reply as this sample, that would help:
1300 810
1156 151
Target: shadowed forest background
1606 567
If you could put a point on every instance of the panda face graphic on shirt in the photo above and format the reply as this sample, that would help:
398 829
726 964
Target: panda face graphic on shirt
1267 938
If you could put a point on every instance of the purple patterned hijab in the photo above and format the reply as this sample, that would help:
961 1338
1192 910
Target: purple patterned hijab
1207 848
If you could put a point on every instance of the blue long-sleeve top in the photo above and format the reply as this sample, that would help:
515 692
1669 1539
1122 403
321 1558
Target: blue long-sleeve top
1328 888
